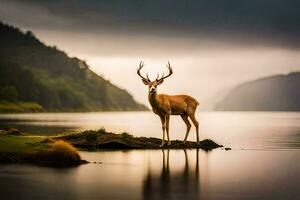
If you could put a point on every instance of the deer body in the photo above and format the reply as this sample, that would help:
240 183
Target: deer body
165 105
171 104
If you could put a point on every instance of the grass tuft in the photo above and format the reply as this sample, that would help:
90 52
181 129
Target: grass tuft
37 149
66 149
59 153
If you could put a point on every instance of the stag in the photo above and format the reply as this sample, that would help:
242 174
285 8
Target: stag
165 105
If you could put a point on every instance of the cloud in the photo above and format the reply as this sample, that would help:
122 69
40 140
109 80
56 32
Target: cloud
240 22
212 44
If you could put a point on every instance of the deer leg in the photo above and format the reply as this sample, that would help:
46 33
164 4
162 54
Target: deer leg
188 125
163 122
167 128
196 124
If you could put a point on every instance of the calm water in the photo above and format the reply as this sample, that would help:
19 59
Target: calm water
264 162
247 130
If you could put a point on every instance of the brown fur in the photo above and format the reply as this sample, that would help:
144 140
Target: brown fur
165 105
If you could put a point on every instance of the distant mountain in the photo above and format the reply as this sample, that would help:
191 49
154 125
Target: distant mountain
275 93
47 78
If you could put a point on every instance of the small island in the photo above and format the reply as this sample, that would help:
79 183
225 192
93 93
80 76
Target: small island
101 139
60 150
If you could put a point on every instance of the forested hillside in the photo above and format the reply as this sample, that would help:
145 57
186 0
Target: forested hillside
36 77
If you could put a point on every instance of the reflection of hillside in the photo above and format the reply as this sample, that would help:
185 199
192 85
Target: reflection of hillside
184 184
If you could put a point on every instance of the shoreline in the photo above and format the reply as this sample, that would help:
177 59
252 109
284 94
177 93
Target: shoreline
60 150
17 147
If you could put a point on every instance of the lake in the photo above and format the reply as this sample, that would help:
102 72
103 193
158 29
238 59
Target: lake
263 163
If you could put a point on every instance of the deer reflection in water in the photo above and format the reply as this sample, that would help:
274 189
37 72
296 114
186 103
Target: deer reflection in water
184 184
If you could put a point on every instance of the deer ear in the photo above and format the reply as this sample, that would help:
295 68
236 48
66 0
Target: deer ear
145 81
160 81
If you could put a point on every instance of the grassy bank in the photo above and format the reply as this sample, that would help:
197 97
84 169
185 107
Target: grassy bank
20 107
18 148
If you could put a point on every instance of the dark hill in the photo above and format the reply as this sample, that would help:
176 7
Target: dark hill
275 93
49 78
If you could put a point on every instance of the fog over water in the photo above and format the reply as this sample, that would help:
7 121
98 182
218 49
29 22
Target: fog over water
239 130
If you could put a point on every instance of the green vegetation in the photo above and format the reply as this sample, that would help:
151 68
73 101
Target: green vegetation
9 107
16 147
101 139
36 73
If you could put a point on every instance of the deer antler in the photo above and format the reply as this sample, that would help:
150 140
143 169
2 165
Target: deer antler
170 73
157 76
139 73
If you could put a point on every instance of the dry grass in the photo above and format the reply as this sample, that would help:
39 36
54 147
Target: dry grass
65 148
49 140
61 147
58 153
16 147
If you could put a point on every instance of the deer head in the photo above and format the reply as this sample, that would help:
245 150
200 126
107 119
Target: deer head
152 85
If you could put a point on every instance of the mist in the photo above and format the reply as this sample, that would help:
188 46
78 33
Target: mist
212 47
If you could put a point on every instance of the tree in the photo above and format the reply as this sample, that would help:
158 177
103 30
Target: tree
8 93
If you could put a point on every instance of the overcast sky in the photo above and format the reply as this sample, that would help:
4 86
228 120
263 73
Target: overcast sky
212 45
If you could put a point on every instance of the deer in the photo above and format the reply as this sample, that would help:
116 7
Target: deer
165 105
